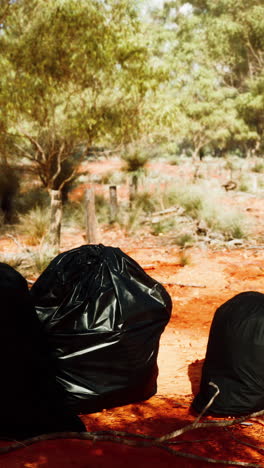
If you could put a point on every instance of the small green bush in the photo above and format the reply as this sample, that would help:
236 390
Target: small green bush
13 260
184 258
174 162
133 221
243 187
102 208
185 240
113 178
74 214
31 199
135 159
190 197
106 178
34 224
170 197
258 167
260 183
40 261
163 227
230 224
233 163
193 204
237 231
147 201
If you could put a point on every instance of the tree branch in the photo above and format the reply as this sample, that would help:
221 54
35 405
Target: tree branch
258 449
71 176
4 11
28 155
37 145
255 55
53 178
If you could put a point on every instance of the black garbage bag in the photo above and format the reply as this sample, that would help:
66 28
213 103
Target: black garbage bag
103 316
235 357
31 402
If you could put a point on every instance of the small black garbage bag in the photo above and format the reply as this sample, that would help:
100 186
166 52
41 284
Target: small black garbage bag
31 402
103 316
235 357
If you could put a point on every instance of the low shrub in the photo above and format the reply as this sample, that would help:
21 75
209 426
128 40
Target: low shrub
14 260
31 199
163 226
135 160
191 197
34 225
185 240
184 258
231 224
147 201
40 261
258 167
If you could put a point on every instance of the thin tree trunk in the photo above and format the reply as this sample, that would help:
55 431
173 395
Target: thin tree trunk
195 154
91 222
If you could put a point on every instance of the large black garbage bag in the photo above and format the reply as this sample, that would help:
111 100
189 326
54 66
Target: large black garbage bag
235 357
31 402
103 316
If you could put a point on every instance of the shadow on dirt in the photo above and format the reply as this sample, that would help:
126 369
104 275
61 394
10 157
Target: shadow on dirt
155 417
194 374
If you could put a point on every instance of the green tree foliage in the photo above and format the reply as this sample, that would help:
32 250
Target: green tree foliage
72 81
76 75
233 37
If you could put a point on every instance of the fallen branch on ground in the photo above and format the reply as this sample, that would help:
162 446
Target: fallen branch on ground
148 441
18 243
196 423
95 437
184 285
247 444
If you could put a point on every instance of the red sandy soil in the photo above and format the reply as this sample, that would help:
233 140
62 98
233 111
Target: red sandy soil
207 281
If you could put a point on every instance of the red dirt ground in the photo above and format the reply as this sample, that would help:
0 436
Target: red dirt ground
207 281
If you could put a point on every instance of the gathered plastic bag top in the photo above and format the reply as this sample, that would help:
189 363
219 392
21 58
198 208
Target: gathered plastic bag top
103 316
235 357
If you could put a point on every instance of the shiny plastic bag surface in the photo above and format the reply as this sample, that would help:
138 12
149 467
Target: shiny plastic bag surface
235 357
103 316
31 403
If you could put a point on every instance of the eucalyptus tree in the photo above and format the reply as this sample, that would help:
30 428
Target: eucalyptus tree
76 77
234 40
200 107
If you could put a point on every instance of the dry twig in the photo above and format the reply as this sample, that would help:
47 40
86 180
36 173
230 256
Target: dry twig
247 444
184 285
18 243
196 423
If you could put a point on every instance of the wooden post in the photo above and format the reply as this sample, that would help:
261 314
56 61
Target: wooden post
254 183
133 189
113 203
55 220
91 222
